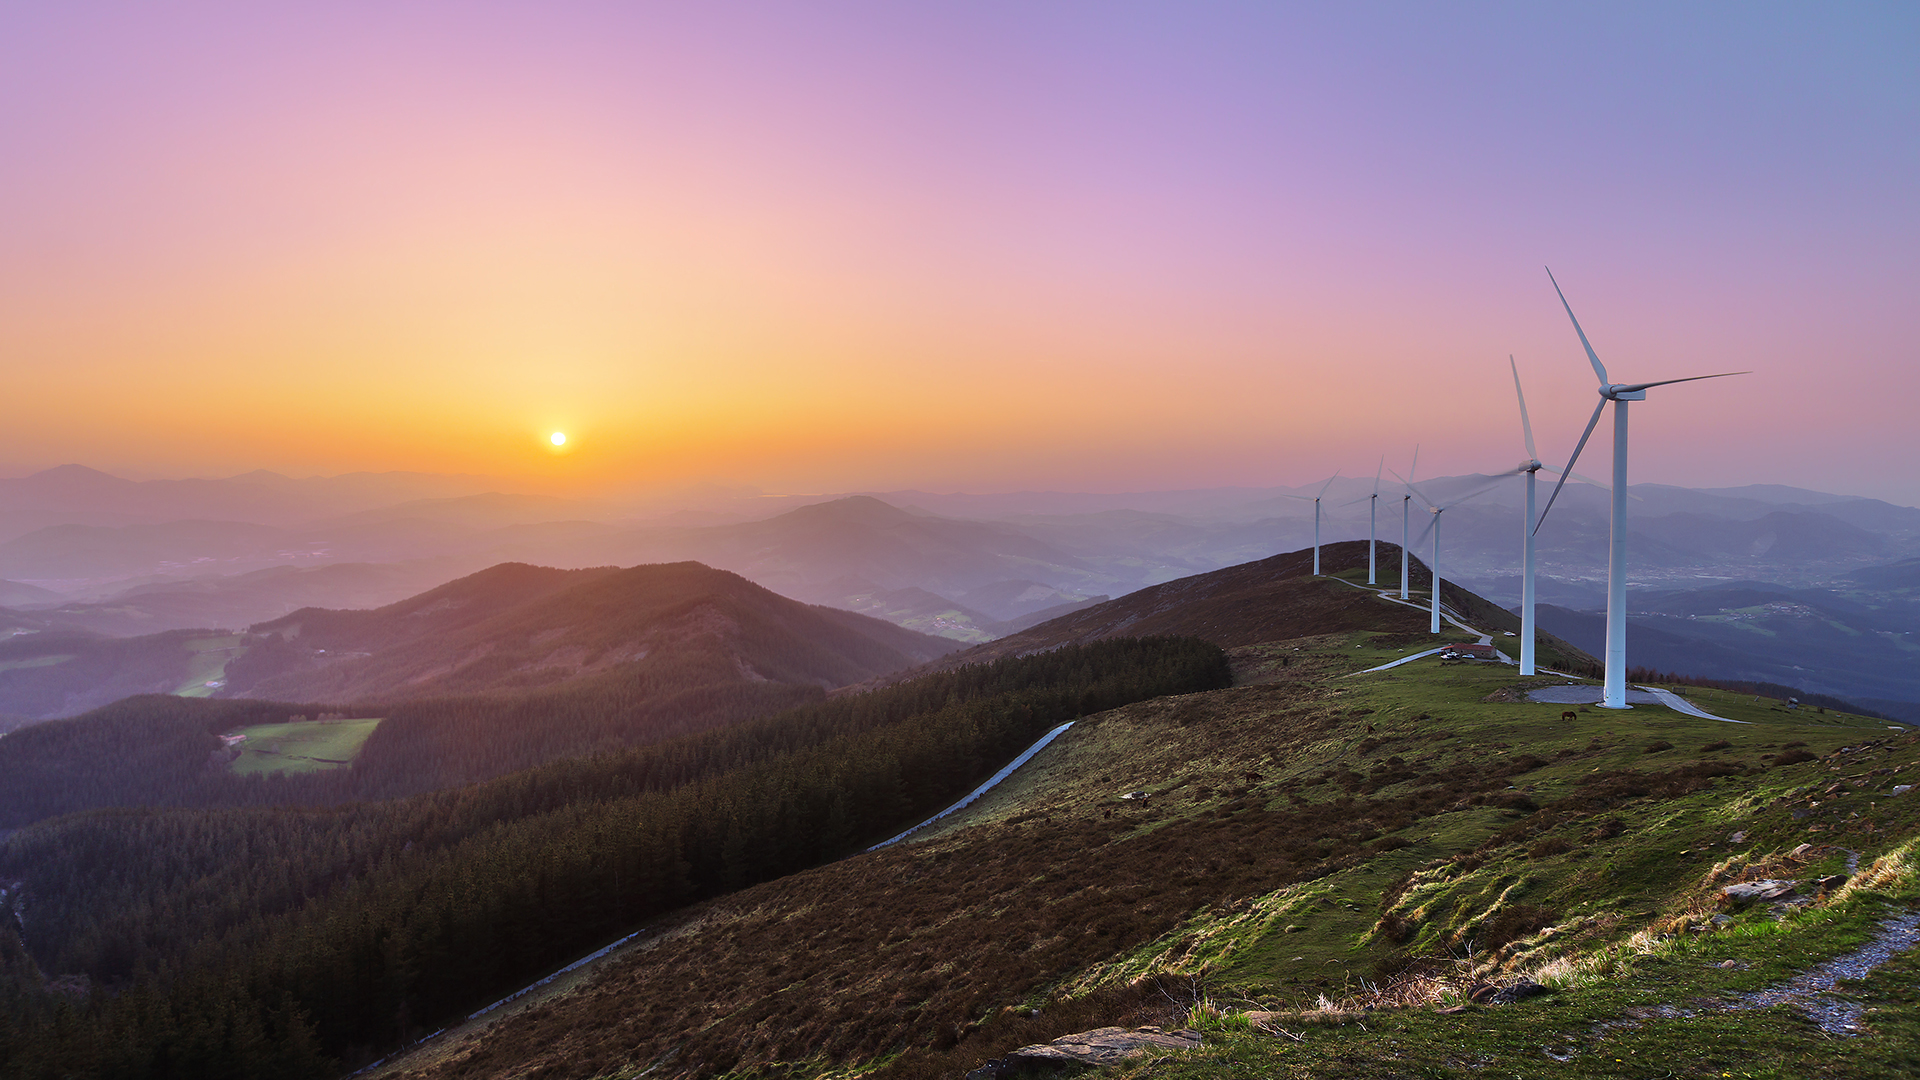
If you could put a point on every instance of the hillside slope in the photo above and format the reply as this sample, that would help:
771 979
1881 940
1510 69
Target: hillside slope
515 627
1270 600
1316 851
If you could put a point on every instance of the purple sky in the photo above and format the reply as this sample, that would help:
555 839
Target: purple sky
983 246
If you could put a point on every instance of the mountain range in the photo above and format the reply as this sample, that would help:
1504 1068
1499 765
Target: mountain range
83 551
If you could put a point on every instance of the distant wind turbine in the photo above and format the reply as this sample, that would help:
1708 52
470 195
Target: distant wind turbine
1373 507
1316 517
1405 498
1531 466
1615 693
1433 564
1528 628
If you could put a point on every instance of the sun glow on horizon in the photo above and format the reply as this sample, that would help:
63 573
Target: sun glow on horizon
558 438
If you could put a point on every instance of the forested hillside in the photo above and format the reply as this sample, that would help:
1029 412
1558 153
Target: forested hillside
256 942
500 671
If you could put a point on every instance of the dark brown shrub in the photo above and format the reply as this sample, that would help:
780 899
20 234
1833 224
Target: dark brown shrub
1795 757
1396 927
1512 924
1721 744
1551 846
1658 745
1607 829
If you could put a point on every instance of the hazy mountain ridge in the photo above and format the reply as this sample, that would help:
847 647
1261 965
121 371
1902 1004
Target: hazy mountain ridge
908 559
516 626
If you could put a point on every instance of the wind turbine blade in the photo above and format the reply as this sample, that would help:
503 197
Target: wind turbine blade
1413 469
1526 425
1422 495
1377 472
1479 491
1670 382
1598 368
1328 484
1418 541
1588 434
1585 479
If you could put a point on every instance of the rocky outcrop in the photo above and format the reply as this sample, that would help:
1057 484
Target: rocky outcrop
1101 1046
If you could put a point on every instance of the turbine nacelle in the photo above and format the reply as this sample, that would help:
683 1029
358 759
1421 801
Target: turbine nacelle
1618 392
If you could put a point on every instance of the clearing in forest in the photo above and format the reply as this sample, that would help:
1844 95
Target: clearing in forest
301 746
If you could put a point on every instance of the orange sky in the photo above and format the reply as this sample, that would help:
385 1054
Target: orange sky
980 247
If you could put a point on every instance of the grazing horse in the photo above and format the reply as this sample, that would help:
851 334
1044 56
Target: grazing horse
1569 715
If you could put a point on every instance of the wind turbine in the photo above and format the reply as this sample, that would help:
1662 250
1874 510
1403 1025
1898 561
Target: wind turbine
1405 498
1316 517
1433 564
1615 693
1530 467
1373 507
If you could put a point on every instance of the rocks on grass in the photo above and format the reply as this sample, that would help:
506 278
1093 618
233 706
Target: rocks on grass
1101 1046
1747 892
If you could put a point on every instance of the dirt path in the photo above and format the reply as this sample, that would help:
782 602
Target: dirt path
1809 992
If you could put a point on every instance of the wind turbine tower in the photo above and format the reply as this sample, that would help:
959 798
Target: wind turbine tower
1373 509
1531 467
1615 694
1405 498
1316 517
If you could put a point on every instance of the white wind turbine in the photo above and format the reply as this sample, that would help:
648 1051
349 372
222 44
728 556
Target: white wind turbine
1316 517
1405 498
1373 508
1530 467
1615 693
1433 564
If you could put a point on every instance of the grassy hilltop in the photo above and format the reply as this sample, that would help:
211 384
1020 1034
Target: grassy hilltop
1331 874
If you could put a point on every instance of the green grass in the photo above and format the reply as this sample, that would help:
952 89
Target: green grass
1485 892
308 746
209 664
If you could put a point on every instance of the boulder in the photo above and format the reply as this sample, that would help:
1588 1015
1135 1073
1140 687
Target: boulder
1746 892
1519 991
1101 1046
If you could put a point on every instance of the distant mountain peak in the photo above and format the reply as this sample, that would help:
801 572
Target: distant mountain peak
76 474
864 509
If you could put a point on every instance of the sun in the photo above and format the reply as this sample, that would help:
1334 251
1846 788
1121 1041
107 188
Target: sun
558 438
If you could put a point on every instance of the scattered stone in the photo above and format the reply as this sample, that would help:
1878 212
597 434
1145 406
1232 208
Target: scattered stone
1747 892
1800 852
1738 838
1520 991
1101 1046
1137 795
1831 882
1293 928
1900 789
1729 963
1721 921
1453 1010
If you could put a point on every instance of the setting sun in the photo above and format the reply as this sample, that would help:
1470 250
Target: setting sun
558 438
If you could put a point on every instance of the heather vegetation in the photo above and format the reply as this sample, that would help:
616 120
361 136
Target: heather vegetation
1331 855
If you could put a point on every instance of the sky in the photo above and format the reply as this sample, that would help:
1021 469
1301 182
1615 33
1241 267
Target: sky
976 246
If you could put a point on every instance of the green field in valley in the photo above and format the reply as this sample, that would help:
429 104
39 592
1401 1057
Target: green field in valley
208 668
302 746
